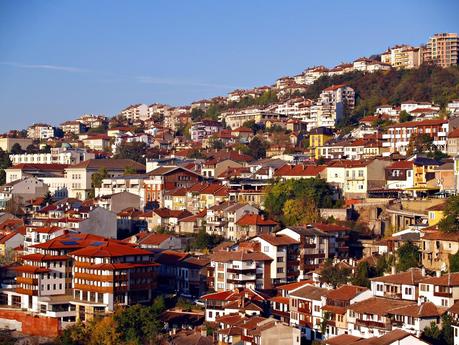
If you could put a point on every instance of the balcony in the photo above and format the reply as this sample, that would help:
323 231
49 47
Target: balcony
393 295
373 324
29 281
443 294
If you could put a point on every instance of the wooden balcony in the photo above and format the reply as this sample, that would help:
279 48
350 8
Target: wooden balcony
373 324
29 281
92 288
443 294
27 291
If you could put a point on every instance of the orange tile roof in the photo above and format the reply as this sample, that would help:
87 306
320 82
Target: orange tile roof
255 219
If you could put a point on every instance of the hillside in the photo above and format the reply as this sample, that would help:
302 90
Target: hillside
428 83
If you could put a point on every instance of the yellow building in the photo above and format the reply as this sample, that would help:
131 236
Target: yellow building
318 137
436 248
435 214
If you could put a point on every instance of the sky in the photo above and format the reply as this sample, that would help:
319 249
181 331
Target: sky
60 58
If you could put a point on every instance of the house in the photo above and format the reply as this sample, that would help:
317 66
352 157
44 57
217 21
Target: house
167 178
119 201
318 137
400 286
442 291
436 247
435 214
306 310
110 260
399 175
395 337
9 241
336 303
98 142
192 276
370 317
300 171
20 191
165 218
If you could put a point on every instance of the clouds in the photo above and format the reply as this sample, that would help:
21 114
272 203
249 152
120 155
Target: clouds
45 67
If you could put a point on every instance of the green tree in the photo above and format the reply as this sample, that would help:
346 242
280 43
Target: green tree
408 256
197 114
96 180
134 151
48 198
333 275
4 164
363 272
404 116
31 149
203 240
256 148
450 221
432 333
16 149
453 262
306 190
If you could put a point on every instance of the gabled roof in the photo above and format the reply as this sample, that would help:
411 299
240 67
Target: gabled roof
425 310
309 292
278 240
108 249
378 306
255 219
411 277
109 164
450 279
346 292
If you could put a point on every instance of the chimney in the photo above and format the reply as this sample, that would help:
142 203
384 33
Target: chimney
423 271
437 273
393 270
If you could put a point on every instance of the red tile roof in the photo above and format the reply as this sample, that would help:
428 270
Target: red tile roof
255 219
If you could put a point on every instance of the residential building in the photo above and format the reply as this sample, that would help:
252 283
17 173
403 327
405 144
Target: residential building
40 131
443 49
6 143
443 291
79 181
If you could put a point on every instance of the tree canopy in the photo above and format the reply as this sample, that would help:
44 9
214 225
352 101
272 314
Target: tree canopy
450 221
296 201
408 256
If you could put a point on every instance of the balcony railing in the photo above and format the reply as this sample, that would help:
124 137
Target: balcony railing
373 324
443 294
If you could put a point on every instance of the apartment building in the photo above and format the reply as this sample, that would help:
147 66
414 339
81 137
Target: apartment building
243 268
397 137
403 57
135 112
78 176
133 184
236 119
58 155
204 129
40 131
399 175
332 104
443 49
107 274
284 252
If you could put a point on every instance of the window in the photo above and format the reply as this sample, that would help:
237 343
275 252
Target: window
266 249
280 259
408 291
280 270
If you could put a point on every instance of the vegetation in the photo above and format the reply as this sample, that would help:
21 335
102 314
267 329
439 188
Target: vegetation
333 275
408 256
256 148
133 325
428 83
450 221
363 274
404 116
436 336
134 151
205 241
454 262
297 201
4 164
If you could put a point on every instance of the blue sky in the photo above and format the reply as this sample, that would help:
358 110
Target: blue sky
59 59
